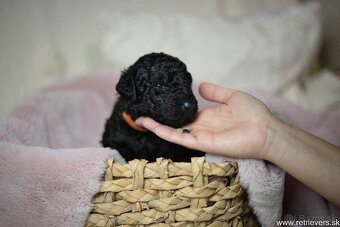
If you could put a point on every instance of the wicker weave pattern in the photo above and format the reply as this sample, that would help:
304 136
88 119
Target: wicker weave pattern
168 193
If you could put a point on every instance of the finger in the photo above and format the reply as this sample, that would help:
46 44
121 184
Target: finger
216 93
167 133
153 125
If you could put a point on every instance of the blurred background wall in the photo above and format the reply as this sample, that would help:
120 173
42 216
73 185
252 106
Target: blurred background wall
43 42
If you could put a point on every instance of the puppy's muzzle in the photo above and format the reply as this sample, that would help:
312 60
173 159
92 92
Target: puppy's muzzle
187 105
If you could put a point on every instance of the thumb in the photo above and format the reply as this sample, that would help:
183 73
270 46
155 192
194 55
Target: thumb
216 93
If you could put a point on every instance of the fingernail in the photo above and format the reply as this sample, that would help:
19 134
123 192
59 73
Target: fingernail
138 121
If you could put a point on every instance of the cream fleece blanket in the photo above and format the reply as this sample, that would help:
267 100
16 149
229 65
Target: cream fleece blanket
51 161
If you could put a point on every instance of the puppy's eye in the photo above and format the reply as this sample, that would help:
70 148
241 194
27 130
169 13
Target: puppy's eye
159 88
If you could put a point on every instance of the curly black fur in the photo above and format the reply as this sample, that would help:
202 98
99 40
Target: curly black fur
156 86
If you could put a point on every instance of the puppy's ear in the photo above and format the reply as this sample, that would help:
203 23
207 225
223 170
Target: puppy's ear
141 79
126 86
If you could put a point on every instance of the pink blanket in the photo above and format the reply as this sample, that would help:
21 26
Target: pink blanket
51 161
300 202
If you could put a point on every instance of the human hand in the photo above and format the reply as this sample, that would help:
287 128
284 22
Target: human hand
243 127
238 127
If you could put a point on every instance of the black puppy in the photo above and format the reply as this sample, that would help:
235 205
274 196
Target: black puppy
156 86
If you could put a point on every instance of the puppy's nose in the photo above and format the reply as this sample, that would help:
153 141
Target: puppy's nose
187 105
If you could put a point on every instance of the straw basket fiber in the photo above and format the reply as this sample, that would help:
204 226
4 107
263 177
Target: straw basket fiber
165 193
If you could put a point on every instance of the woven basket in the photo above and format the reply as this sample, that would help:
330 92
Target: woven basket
166 193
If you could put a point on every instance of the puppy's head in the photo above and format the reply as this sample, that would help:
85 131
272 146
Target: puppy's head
159 86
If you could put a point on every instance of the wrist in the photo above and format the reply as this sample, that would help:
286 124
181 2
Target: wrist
279 140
